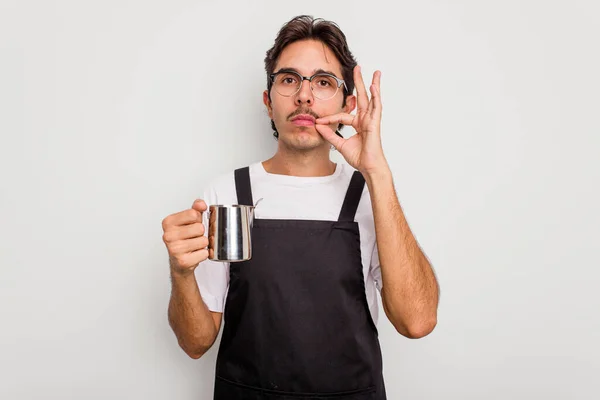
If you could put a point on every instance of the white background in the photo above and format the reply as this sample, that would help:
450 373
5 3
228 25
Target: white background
114 114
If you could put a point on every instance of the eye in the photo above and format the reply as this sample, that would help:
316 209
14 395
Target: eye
325 81
287 79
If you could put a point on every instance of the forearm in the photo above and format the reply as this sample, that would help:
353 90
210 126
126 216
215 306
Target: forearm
189 317
409 287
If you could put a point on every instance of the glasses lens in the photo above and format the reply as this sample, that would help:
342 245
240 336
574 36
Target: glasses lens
324 86
286 84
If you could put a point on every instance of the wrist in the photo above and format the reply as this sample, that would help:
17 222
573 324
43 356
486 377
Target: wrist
381 173
178 272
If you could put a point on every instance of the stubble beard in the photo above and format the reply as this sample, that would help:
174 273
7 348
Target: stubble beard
302 142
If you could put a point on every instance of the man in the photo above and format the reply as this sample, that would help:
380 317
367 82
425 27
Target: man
300 316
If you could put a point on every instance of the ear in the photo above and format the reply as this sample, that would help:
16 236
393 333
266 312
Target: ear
350 104
268 103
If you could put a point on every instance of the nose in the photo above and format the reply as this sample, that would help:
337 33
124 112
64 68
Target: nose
305 94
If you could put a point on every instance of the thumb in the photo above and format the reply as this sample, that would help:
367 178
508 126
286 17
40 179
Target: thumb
199 205
329 135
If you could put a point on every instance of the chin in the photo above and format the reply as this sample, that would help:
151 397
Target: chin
302 140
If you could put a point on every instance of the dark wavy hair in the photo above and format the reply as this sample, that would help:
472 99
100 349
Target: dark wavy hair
305 27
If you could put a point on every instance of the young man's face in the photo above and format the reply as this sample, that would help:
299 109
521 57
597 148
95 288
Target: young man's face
306 57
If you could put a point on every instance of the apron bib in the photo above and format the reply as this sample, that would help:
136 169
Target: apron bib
297 323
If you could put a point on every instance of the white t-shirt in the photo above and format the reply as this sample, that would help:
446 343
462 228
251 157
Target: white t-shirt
292 197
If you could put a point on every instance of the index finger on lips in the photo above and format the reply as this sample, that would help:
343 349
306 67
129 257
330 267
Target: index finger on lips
342 118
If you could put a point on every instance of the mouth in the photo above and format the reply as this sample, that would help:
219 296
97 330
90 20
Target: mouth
303 120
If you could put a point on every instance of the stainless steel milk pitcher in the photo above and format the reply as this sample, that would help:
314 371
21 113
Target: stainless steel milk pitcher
230 232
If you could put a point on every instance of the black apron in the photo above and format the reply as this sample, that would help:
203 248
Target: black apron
297 323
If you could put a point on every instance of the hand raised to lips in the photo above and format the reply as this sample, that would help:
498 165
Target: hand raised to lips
362 151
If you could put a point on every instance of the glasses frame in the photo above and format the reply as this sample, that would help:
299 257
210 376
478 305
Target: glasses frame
303 78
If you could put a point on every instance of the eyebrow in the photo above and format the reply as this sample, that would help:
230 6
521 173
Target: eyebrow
316 71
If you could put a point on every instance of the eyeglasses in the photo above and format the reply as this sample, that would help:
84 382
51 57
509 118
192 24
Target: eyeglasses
323 85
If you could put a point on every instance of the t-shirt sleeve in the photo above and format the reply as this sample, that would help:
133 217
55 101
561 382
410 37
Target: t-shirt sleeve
212 276
376 268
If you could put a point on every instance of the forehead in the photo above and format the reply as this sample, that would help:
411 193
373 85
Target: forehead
307 56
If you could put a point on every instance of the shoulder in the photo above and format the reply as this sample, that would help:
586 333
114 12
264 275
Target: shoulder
220 189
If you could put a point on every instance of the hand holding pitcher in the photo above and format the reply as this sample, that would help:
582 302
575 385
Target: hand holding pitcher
184 237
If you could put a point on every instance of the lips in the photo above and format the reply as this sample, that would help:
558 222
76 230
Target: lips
303 120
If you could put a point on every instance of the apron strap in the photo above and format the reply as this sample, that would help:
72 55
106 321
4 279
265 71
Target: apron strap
242 186
355 189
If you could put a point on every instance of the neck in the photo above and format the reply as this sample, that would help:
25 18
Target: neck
306 164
